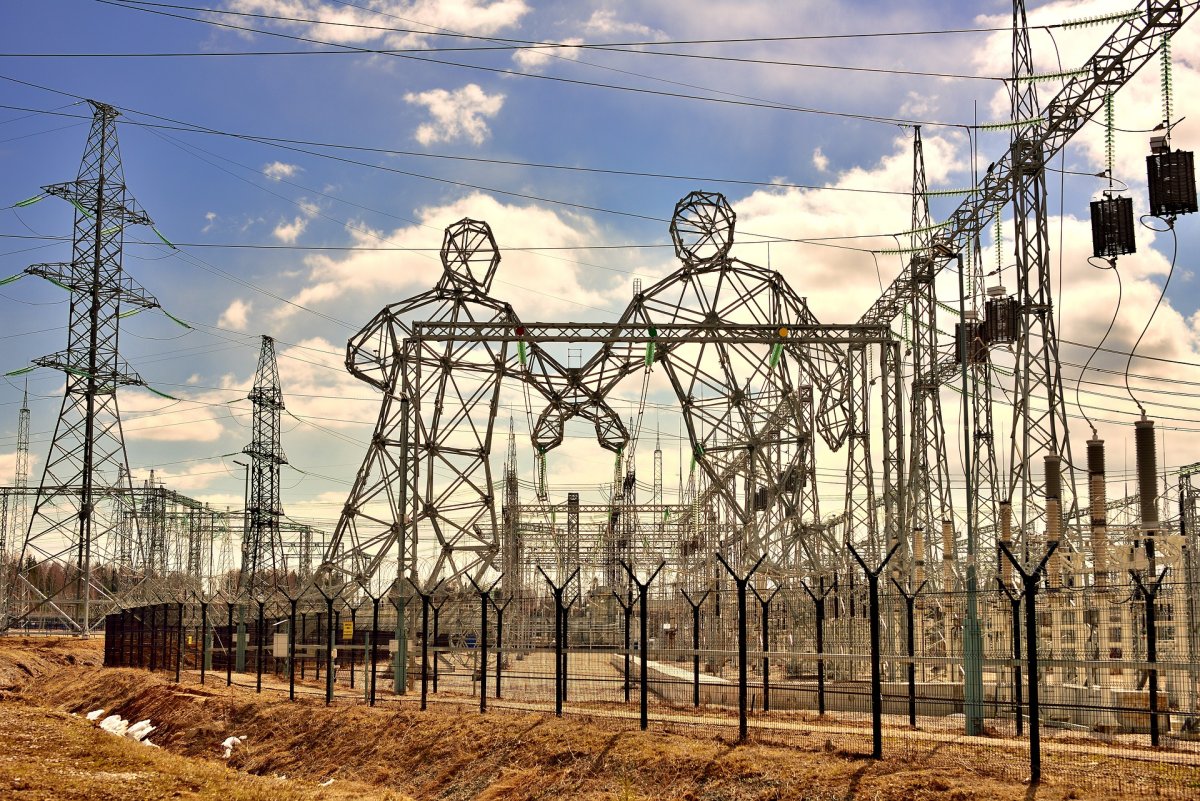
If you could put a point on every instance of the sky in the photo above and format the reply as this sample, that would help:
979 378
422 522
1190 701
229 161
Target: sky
305 237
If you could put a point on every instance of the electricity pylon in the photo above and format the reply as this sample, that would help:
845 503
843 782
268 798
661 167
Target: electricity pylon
262 548
78 508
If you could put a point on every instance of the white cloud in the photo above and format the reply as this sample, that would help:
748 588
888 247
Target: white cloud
278 170
546 283
193 418
459 114
480 17
604 22
316 385
531 60
236 315
288 232
841 283
820 160
8 468
210 218
187 479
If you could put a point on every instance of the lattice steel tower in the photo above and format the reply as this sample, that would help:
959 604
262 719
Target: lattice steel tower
14 516
262 547
18 509
1040 423
929 474
86 478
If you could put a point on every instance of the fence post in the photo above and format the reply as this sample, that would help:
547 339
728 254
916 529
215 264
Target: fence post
424 651
350 647
330 644
1015 601
258 660
179 643
229 648
626 612
291 649
695 605
485 599
564 623
203 640
644 638
1029 582
765 604
500 639
876 678
910 646
559 645
1150 595
740 583
374 646
819 613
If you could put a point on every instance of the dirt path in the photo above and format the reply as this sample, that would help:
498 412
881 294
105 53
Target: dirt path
444 753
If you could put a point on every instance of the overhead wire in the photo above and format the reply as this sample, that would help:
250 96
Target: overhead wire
829 242
492 48
1133 351
435 31
731 100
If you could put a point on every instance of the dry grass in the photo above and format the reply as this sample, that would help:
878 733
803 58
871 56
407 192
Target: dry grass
451 755
48 754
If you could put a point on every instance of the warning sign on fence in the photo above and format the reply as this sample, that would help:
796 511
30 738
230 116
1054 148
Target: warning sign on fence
347 630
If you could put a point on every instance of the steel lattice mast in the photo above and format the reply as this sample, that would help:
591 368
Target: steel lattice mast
1039 414
20 507
984 485
15 514
929 475
79 501
262 548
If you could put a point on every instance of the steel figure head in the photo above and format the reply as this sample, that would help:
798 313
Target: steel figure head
702 228
469 254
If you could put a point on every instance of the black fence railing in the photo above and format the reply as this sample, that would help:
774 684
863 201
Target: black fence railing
1066 676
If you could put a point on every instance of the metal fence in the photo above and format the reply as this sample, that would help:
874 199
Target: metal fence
1098 687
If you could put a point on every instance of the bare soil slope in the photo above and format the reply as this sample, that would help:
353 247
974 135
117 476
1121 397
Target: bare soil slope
442 753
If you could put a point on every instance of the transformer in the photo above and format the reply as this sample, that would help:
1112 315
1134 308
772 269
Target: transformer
1171 176
971 341
1112 227
1001 317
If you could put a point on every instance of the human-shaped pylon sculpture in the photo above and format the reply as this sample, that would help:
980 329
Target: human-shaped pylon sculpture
748 412
426 482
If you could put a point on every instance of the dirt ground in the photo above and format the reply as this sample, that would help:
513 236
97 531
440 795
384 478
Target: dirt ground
291 749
